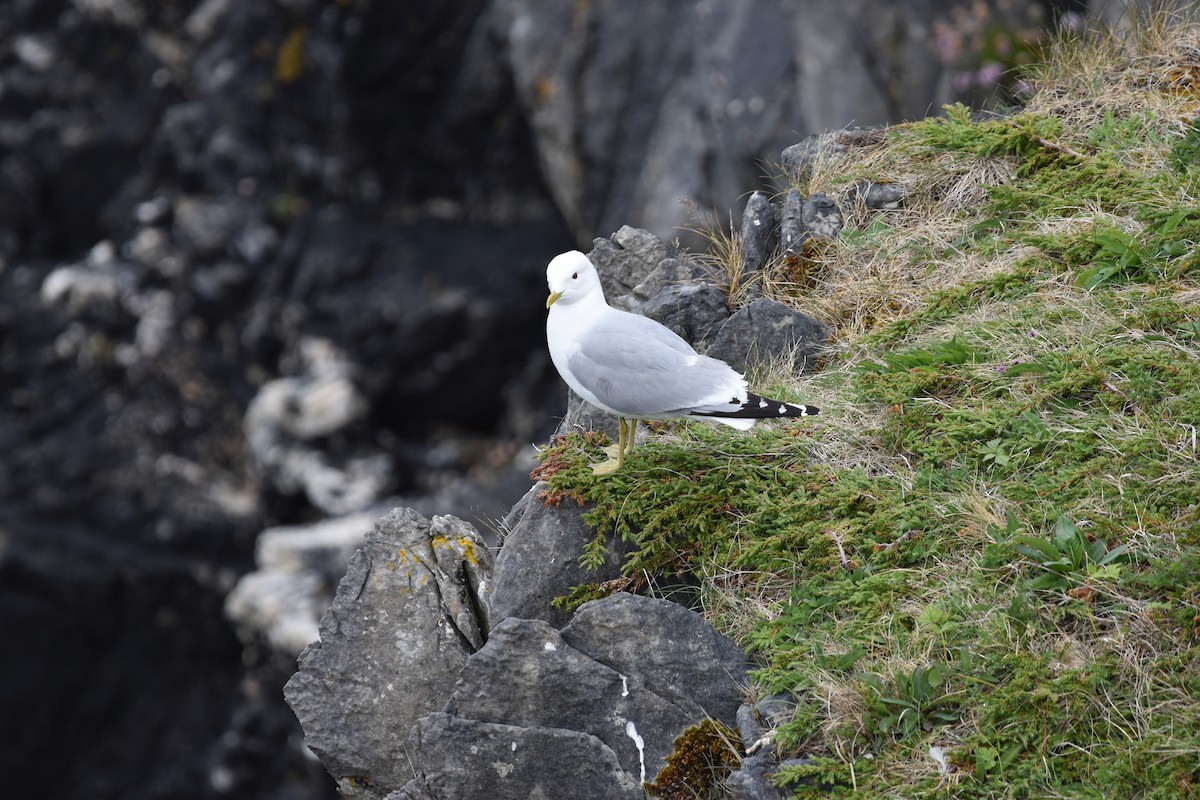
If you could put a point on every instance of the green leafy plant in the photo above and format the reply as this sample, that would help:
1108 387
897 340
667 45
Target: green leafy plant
1123 255
909 703
840 662
995 452
1069 559
948 353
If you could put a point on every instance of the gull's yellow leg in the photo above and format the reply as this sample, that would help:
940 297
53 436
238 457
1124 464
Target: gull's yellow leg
632 433
613 449
613 464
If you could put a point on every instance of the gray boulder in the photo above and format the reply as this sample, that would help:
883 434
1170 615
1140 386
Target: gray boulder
527 675
625 261
821 216
461 758
765 329
671 649
758 232
695 311
884 196
799 159
610 693
540 561
406 616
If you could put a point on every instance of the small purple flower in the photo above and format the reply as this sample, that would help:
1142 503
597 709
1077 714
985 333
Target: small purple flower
989 74
1032 334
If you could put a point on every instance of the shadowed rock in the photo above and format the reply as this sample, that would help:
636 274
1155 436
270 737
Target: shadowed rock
765 330
610 693
695 311
670 648
540 561
461 758
758 232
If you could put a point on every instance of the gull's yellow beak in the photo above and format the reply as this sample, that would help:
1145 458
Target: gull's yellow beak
553 296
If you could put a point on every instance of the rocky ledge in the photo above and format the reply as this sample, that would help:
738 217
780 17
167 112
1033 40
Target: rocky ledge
442 672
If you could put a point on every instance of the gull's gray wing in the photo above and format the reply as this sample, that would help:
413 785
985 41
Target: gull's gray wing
640 368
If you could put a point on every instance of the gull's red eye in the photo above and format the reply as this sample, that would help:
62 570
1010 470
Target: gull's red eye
574 276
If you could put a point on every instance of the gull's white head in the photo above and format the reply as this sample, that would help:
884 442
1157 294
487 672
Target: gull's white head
571 276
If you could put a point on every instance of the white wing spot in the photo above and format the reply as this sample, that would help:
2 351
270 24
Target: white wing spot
783 409
762 403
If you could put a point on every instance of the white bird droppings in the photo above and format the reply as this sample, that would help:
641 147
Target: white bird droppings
631 732
624 687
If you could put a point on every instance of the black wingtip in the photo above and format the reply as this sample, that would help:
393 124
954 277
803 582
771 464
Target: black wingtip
759 407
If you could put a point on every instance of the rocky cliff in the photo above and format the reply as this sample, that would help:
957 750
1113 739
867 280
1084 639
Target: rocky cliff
264 265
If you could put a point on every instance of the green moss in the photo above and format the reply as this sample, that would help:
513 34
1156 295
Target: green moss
703 757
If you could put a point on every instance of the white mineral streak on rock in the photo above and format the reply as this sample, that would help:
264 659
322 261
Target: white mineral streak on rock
631 732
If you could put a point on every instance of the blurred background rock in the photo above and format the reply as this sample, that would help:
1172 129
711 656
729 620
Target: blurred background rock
278 266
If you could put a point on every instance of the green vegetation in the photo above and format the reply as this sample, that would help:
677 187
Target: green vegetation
978 571
704 756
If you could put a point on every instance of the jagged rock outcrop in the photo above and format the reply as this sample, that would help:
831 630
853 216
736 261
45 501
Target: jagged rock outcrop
409 693
767 330
612 690
406 616
540 561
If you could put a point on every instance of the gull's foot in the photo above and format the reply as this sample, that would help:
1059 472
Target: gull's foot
612 450
606 467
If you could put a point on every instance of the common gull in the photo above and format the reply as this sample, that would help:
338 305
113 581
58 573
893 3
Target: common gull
635 368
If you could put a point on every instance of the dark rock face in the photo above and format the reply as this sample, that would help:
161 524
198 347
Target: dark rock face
540 561
677 654
612 691
766 329
704 92
466 758
191 195
695 311
407 615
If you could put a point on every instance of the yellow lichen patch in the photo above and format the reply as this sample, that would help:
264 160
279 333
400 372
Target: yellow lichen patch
465 545
289 64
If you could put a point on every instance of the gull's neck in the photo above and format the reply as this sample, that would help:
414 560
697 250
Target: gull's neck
581 313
